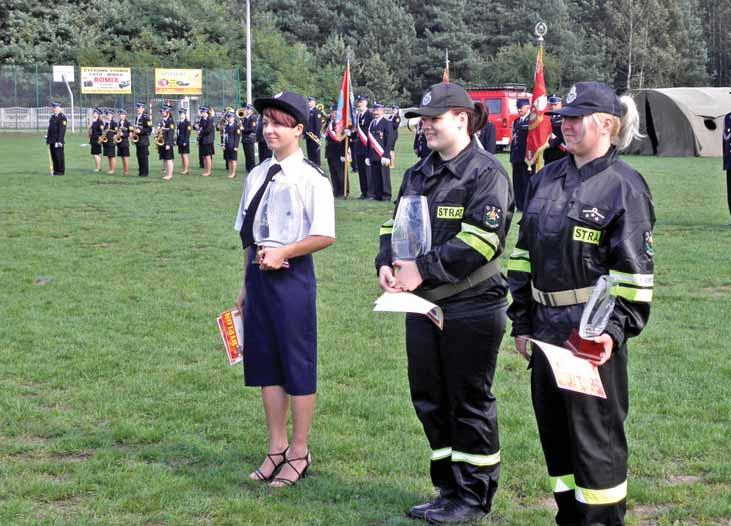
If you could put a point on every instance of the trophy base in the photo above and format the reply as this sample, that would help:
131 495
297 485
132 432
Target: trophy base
587 349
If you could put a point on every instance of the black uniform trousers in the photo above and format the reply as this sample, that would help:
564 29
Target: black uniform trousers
313 151
58 159
728 189
379 182
337 175
264 151
521 179
143 156
363 175
584 442
249 156
450 378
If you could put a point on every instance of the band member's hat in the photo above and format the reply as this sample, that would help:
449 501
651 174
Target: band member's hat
287 101
440 98
97 111
139 104
522 102
108 112
362 97
249 106
377 105
585 98
554 99
202 109
182 110
311 98
122 111
55 104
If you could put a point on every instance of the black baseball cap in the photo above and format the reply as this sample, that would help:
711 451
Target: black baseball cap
440 98
287 101
585 98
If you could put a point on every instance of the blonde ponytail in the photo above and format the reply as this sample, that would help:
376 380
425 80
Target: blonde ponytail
629 125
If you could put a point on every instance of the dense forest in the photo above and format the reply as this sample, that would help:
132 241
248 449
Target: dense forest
396 47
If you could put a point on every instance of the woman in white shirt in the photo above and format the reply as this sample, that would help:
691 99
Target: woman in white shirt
286 213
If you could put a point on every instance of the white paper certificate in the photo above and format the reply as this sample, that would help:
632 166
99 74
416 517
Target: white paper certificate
408 302
571 372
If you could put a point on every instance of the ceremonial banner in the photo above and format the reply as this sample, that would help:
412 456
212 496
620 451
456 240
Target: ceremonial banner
539 127
117 81
345 103
178 81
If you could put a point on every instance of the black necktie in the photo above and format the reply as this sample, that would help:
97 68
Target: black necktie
247 229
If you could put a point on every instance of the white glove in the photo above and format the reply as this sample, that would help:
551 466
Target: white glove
342 159
385 161
347 132
368 162
167 147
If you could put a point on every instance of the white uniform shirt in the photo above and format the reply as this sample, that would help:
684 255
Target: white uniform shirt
312 188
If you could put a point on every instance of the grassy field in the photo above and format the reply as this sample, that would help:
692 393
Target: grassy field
117 407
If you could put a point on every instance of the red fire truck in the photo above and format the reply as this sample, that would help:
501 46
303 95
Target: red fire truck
501 101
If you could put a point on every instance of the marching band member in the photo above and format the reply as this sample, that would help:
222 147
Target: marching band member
95 131
231 138
168 133
109 147
360 144
55 138
277 298
312 131
262 148
123 146
221 127
183 139
451 370
380 144
587 215
335 154
248 136
143 128
206 138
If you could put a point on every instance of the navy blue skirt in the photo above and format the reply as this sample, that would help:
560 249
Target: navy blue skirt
280 327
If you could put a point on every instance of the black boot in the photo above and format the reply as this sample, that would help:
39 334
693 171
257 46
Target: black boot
417 512
455 512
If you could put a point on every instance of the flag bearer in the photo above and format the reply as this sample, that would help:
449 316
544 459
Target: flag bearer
363 119
335 153
451 371
587 215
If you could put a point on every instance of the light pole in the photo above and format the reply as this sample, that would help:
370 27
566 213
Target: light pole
248 52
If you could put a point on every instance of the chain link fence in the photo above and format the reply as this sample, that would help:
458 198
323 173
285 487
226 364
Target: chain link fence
26 93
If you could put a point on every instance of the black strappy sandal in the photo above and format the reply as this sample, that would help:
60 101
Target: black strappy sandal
260 477
300 475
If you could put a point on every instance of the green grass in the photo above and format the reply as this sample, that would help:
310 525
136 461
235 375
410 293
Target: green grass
117 406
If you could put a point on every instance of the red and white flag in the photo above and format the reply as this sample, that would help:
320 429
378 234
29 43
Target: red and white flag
539 127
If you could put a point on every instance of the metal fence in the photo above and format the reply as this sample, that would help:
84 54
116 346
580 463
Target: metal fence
26 93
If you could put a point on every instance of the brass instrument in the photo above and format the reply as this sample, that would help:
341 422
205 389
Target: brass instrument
118 137
159 134
134 135
103 139
211 112
240 113
314 137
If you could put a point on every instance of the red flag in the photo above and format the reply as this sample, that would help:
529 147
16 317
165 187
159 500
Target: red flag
345 103
445 75
539 129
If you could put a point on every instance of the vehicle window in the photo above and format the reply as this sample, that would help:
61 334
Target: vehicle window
494 105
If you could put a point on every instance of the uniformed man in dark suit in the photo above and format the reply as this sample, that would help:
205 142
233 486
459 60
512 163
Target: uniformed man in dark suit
182 140
335 153
421 149
727 158
143 128
363 119
312 132
123 145
248 136
521 171
263 149
55 138
380 144
395 119
556 148
487 136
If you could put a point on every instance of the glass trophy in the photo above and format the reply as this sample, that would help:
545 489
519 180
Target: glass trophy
279 218
594 320
411 235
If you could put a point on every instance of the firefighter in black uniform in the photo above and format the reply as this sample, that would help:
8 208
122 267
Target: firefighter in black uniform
312 131
335 153
378 159
123 145
231 140
206 138
248 137
451 370
421 149
182 140
363 119
556 148
727 158
55 138
518 142
261 144
395 119
143 128
167 128
587 215
95 131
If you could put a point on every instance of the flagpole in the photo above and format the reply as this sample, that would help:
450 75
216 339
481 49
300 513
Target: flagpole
346 109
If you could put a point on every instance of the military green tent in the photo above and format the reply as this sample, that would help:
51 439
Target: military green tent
681 122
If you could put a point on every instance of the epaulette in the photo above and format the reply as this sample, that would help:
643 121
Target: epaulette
315 167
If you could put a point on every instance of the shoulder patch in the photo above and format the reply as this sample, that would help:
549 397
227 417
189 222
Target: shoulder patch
649 244
315 167
493 217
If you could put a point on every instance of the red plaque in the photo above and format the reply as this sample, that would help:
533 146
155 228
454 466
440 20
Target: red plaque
587 349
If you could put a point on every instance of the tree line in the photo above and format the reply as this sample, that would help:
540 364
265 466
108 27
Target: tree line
396 47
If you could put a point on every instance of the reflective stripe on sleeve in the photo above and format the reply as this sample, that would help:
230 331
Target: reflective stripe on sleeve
476 460
602 496
386 228
563 483
519 261
633 287
482 241
439 454
641 280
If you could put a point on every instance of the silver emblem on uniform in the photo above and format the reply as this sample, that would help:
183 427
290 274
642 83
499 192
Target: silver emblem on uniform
427 99
592 213
571 96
